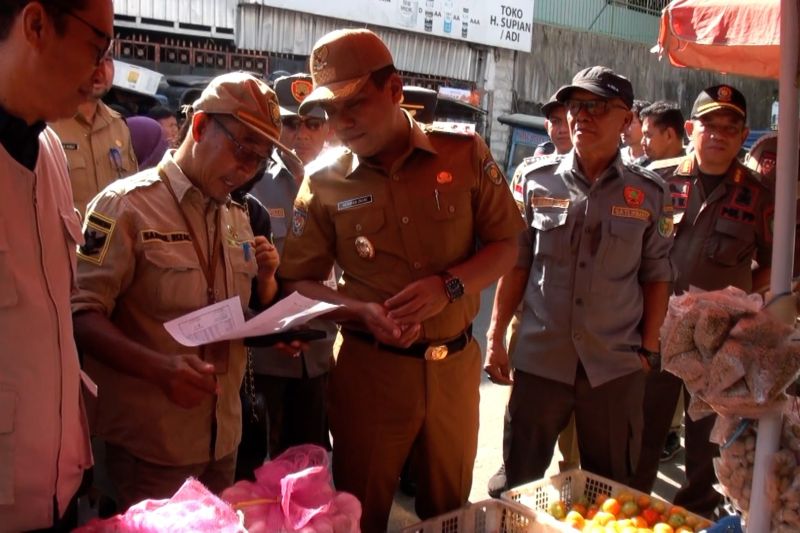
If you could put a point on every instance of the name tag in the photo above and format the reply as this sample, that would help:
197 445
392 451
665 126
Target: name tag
544 201
152 235
630 212
69 146
354 202
276 212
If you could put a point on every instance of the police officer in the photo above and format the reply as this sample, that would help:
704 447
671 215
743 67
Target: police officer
293 387
723 220
400 209
97 142
160 244
593 276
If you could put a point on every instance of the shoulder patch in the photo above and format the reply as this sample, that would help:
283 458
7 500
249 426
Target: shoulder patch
492 171
463 129
97 232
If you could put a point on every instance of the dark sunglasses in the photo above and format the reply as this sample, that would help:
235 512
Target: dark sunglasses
242 153
294 123
107 39
594 108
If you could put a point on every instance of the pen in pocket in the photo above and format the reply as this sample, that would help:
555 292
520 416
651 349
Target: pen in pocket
246 250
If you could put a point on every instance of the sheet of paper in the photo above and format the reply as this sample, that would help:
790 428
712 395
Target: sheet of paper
225 321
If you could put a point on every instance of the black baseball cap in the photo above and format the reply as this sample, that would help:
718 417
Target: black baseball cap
550 105
720 97
601 81
291 91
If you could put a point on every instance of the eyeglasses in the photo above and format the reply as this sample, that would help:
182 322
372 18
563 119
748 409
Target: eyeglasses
311 123
594 108
243 154
108 40
727 130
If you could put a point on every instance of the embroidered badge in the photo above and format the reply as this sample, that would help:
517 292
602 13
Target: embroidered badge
634 197
724 93
276 212
301 89
444 177
492 171
630 212
299 217
354 202
153 235
275 113
319 66
544 201
766 164
97 237
665 226
680 193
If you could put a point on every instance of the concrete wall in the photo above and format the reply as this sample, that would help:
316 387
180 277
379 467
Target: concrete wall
559 53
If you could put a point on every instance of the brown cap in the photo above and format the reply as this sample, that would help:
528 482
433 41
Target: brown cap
291 91
341 64
245 98
720 97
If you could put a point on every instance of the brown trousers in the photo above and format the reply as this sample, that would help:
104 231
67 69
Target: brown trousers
608 420
135 479
381 405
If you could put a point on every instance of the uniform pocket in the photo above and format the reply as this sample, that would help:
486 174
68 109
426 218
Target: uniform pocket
551 247
359 243
244 270
8 409
178 284
731 243
8 284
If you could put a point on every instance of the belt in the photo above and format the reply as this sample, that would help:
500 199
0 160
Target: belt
420 350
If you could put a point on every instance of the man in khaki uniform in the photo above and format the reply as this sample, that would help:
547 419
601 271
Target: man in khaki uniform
97 142
161 244
401 209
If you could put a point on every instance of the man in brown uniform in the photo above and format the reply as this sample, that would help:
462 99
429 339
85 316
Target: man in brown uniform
401 209
97 142
161 244
722 216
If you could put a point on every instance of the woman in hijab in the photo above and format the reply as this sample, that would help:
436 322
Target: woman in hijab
149 143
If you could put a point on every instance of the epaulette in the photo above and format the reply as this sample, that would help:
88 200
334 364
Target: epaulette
329 159
664 163
463 129
646 173
532 163
136 181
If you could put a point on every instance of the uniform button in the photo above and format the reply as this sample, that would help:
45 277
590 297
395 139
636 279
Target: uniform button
405 220
452 209
578 301
582 264
417 265
358 227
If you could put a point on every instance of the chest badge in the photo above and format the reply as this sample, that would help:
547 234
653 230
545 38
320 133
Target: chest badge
444 177
364 248
634 197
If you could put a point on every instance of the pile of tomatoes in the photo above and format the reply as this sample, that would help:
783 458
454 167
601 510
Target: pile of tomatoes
626 513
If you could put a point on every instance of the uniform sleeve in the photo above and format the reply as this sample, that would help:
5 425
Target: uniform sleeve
106 260
309 249
528 236
658 238
496 215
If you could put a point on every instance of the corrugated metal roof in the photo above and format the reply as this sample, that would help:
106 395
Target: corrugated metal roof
289 32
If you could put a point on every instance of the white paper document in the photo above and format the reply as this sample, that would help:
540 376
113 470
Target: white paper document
225 320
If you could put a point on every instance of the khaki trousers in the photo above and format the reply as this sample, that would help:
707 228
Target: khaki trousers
384 404
135 479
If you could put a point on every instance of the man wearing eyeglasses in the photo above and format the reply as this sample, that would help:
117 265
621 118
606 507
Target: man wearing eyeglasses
160 244
593 278
293 388
723 222
47 62
97 141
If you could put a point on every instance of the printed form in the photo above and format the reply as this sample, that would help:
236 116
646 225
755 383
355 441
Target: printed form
224 320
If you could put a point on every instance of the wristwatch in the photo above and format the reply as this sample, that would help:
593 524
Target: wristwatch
453 286
653 358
